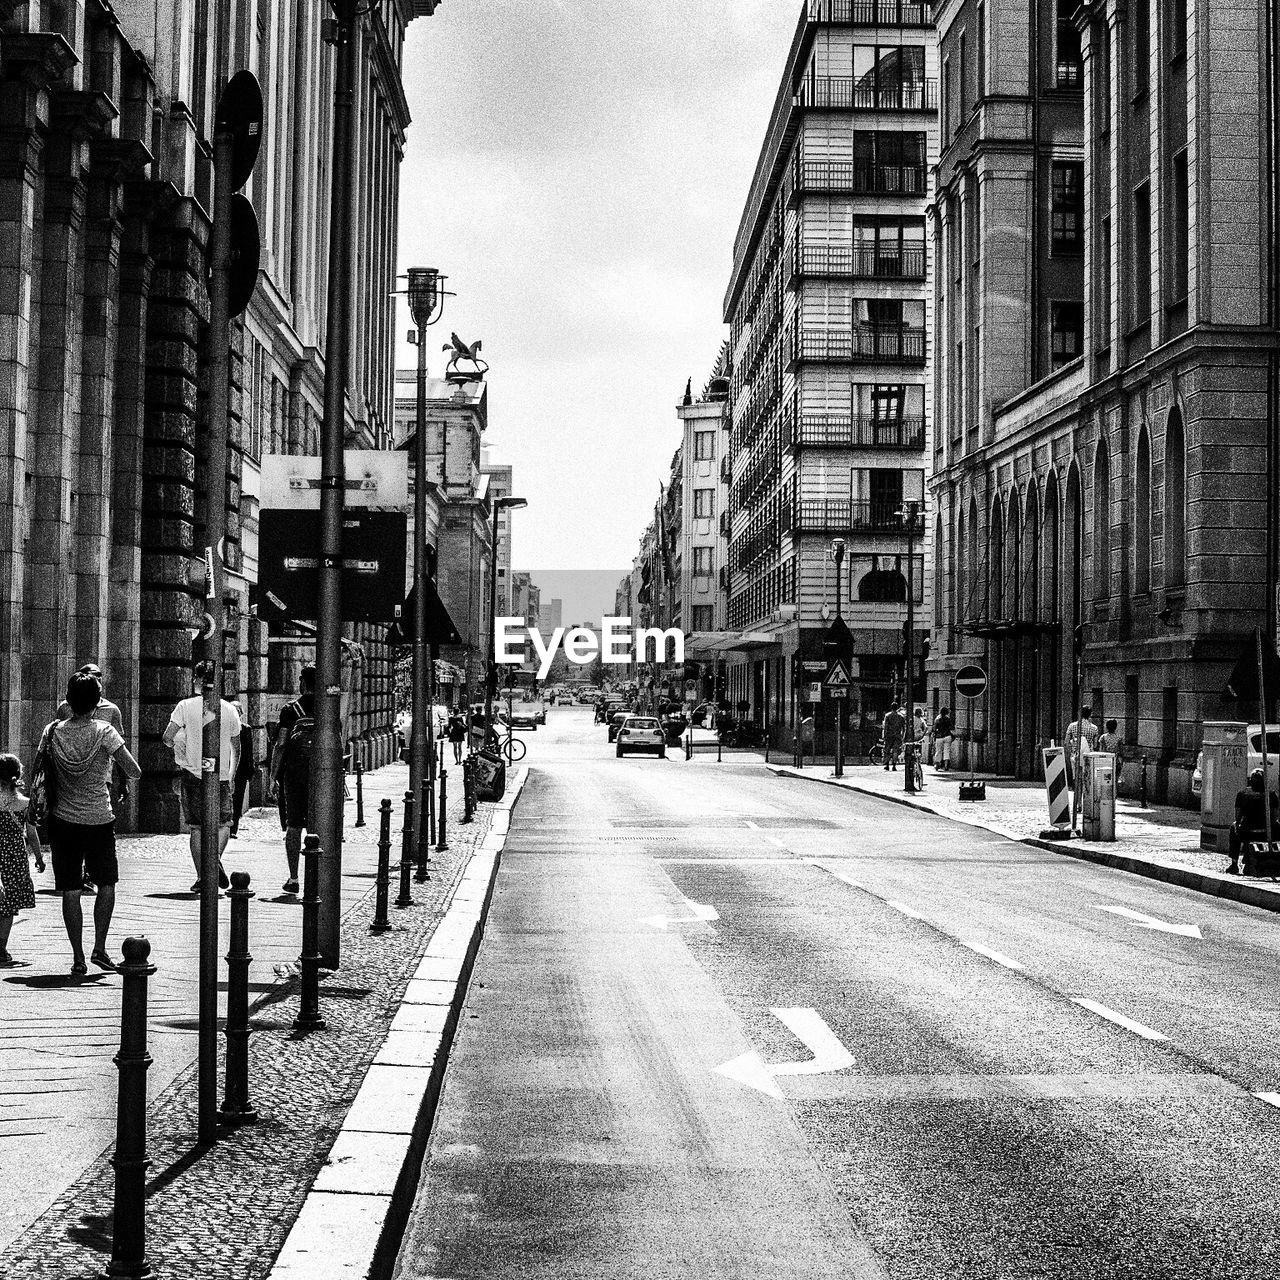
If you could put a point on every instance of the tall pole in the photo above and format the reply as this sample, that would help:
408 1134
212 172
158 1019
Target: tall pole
215 536
422 714
839 555
491 671
326 764
909 780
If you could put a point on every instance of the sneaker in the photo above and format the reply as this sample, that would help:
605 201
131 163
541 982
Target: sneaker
291 885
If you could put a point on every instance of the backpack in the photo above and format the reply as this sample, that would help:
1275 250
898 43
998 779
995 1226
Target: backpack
297 746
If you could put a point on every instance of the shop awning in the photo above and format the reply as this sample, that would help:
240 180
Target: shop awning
707 644
748 640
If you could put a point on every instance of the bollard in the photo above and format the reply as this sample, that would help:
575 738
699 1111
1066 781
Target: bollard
129 1224
468 790
380 922
426 831
235 1098
359 790
719 746
406 853
688 745
309 1018
441 843
1142 796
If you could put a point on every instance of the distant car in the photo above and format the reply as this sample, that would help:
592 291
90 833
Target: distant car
1253 759
641 733
524 717
615 723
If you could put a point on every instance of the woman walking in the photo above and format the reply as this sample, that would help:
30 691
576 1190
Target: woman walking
18 838
77 757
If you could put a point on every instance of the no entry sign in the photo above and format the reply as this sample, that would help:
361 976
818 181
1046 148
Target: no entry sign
971 682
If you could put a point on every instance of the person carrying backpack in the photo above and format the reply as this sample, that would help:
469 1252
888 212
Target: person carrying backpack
290 784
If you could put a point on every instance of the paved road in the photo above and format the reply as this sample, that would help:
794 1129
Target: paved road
863 1042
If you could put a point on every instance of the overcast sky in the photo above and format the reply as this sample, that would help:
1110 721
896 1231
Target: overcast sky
578 169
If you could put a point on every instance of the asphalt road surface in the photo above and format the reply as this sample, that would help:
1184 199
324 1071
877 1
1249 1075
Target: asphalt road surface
727 1024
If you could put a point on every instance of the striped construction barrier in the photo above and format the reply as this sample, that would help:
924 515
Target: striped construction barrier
1055 784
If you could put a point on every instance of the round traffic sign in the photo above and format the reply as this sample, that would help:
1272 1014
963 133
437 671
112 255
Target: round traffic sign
971 682
246 254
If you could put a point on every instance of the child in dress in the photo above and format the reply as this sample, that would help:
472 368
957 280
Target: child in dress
17 838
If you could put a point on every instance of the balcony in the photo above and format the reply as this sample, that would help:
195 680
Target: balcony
840 431
860 261
871 13
850 93
817 515
863 344
855 177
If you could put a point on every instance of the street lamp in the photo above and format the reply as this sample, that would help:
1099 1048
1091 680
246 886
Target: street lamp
912 506
837 554
491 676
426 304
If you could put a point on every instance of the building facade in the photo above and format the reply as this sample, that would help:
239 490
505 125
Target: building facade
105 193
829 313
1106 451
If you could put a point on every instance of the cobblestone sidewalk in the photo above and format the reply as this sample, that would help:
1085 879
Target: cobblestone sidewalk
225 1211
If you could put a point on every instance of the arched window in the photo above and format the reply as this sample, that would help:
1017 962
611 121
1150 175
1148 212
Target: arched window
880 586
939 577
1012 560
1050 545
1175 509
1142 516
1073 569
995 562
1101 523
1030 586
976 603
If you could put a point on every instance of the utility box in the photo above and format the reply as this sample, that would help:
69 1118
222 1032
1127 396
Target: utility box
1223 773
1098 796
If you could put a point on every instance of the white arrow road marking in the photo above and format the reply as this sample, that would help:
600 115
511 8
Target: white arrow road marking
1150 922
808 1026
1271 1099
1119 1019
700 912
997 956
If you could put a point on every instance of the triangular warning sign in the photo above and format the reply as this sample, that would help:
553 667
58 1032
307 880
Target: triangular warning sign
837 674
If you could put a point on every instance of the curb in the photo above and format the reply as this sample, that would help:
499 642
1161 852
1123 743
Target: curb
352 1221
1207 882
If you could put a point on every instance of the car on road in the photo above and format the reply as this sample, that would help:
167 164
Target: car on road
524 717
1253 759
615 722
641 733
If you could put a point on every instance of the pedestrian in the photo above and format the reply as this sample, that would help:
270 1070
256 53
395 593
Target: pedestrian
1082 735
290 774
457 735
943 731
892 729
184 736
76 758
245 769
920 728
1250 824
1110 742
19 840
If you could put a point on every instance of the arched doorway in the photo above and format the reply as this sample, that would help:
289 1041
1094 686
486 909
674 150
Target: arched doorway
1051 610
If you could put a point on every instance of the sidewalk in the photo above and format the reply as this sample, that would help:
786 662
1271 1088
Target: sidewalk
1161 841
224 1211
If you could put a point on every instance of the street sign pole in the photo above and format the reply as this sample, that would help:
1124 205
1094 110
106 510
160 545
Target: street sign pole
971 683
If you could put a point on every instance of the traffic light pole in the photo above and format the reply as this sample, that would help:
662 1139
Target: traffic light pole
909 773
326 763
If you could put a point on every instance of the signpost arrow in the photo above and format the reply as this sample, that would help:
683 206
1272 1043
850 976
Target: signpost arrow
808 1026
1150 922
700 913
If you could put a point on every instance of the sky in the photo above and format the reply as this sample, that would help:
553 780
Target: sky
578 170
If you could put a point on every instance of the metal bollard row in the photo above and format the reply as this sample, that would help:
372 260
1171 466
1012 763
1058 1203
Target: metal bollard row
236 1108
359 790
406 854
380 922
441 842
426 830
309 1018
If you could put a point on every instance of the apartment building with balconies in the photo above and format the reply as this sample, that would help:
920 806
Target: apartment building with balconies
829 313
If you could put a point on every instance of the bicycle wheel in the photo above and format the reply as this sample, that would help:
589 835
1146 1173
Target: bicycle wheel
515 748
876 755
919 774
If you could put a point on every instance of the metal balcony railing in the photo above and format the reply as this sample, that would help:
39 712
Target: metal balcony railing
819 515
855 177
871 13
863 344
851 93
863 261
840 431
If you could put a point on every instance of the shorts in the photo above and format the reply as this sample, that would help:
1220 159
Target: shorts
193 800
80 850
293 799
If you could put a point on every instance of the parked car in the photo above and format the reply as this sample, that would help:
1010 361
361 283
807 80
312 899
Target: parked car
615 723
641 733
1253 759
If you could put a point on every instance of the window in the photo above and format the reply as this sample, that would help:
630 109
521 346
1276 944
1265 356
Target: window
1142 517
1142 254
889 161
704 504
1070 65
982 52
1177 29
1131 708
1181 228
962 104
889 246
1101 524
1140 14
883 579
1068 206
1102 309
1175 515
704 562
704 617
888 77
946 99
1066 320
704 446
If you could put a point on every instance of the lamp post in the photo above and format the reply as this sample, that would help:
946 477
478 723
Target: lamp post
910 513
837 554
426 304
491 674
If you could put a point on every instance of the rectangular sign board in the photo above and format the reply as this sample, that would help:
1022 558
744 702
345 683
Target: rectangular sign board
373 552
375 478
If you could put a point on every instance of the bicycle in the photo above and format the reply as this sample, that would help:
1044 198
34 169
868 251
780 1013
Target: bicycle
509 745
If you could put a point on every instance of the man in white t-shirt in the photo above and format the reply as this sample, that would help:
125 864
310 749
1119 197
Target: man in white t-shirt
184 735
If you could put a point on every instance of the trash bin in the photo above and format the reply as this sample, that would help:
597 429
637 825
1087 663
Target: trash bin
490 774
1099 796
1222 773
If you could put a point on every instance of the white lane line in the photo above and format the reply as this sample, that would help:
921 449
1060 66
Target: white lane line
1271 1099
777 844
1151 922
839 875
997 956
755 826
1118 1018
906 910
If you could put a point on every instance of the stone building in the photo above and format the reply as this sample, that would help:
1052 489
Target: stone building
828 307
1105 453
105 192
